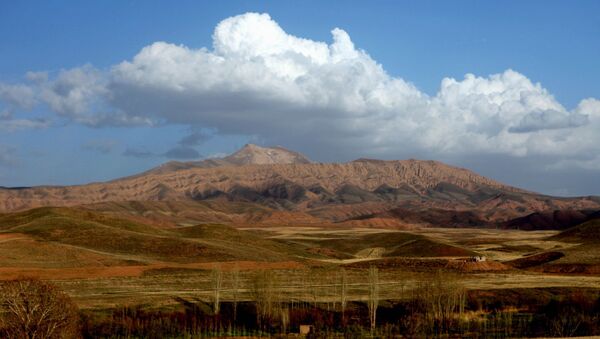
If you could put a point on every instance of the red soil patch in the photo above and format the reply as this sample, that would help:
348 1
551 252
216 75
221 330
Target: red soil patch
416 264
433 264
482 266
328 252
536 259
8 273
244 265
9 236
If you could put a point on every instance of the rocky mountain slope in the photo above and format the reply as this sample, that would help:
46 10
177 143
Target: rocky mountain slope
285 180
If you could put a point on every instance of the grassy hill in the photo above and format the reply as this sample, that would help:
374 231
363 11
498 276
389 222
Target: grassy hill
109 236
80 237
582 255
388 244
587 232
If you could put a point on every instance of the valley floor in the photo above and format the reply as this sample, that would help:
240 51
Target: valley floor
311 266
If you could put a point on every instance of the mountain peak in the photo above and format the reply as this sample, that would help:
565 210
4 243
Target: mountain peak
250 154
258 155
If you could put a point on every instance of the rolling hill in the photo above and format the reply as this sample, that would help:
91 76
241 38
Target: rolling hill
581 256
64 238
132 242
587 232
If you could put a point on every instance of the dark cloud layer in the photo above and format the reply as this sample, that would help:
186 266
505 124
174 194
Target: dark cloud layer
182 152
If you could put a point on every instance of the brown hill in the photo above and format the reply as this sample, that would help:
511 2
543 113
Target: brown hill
117 241
277 179
587 232
577 250
480 217
431 217
552 220
59 238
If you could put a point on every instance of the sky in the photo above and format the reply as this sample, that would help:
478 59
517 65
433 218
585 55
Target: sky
92 91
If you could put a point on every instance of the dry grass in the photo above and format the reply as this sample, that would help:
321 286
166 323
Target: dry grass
105 261
162 288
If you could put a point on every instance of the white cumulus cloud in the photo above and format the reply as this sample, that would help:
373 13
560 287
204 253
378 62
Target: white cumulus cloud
258 80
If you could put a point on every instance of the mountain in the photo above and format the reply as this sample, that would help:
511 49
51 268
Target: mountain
255 155
397 192
250 154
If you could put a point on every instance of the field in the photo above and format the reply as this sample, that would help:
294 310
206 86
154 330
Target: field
162 263
105 261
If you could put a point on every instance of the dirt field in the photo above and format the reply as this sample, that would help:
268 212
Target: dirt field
307 262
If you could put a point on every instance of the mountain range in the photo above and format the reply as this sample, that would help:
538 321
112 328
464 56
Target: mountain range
283 185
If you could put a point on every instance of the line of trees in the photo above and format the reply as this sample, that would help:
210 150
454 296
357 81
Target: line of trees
440 306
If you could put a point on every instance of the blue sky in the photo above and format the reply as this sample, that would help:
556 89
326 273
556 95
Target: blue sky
418 43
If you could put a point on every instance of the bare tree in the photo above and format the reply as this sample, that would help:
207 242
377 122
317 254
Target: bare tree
216 278
566 322
35 309
235 288
373 295
445 298
263 290
343 291
313 285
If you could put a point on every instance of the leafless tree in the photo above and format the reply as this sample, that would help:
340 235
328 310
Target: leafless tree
216 278
313 285
445 298
235 288
263 290
373 295
566 323
343 291
35 309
